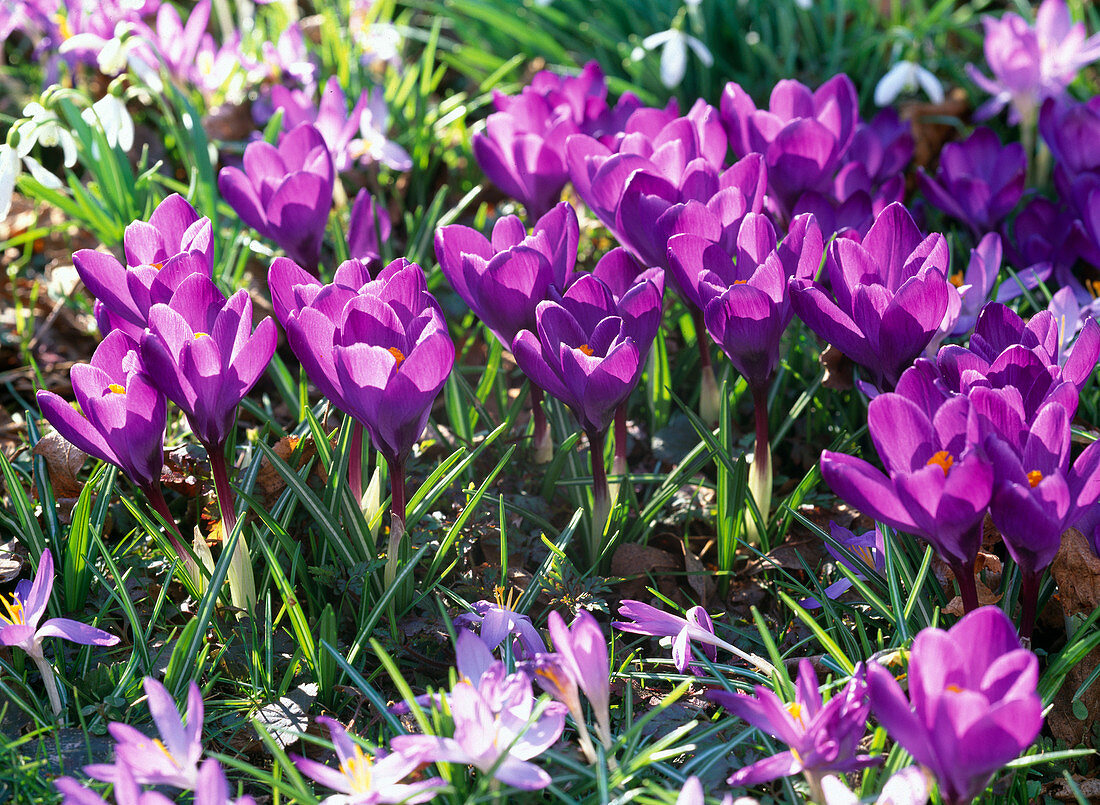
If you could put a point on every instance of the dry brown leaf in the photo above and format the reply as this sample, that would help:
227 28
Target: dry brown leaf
1060 790
63 463
1076 569
268 478
838 369
699 578
985 597
635 563
11 561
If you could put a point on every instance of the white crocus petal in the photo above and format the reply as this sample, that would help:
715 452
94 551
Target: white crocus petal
9 170
41 175
674 60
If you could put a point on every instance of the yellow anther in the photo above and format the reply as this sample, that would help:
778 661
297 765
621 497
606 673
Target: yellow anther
13 613
359 769
116 388
587 350
943 460
1034 477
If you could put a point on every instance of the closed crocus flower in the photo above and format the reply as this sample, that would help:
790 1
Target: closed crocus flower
122 414
803 135
1071 130
285 192
369 225
938 480
503 279
972 704
175 243
889 295
978 181
202 350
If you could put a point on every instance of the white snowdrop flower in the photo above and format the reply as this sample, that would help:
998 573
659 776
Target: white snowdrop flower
43 127
805 5
674 45
9 170
117 125
907 76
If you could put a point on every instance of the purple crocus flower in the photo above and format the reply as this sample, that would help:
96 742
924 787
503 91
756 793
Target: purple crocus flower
1030 64
891 292
976 284
19 624
1070 129
204 355
978 181
583 650
178 44
173 758
496 737
803 135
122 414
823 736
331 118
938 482
972 703
504 279
552 672
175 243
364 779
285 193
640 618
497 622
1037 496
368 227
869 547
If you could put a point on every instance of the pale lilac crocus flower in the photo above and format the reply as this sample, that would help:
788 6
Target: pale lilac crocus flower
366 779
212 789
640 618
496 621
19 625
173 758
583 650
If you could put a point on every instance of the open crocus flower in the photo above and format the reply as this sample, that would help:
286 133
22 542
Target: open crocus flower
1030 64
938 482
173 758
285 193
868 546
496 737
331 118
697 627
803 135
823 736
978 181
19 624
366 779
891 293
175 243
972 703
497 621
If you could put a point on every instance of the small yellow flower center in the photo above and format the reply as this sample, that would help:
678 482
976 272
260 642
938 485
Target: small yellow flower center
587 350
1034 477
954 689
1093 288
116 388
943 460
956 279
63 25
795 709
157 266
200 335
864 553
359 771
740 282
398 356
13 612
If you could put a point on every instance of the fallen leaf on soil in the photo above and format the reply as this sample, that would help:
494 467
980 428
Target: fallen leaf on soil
288 718
63 463
636 563
1060 790
11 563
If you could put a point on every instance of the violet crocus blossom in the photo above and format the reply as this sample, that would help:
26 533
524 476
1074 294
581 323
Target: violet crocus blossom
503 279
823 737
177 43
331 117
1031 63
553 675
589 353
889 295
19 625
285 192
366 779
979 181
972 703
583 649
803 135
640 618
1070 129
175 243
496 622
1037 496
938 480
869 547
496 737
173 758
368 227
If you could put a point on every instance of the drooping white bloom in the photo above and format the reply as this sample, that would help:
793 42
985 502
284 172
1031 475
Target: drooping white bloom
111 115
907 76
674 45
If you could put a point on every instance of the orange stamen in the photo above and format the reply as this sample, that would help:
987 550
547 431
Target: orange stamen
1034 477
587 350
943 460
398 355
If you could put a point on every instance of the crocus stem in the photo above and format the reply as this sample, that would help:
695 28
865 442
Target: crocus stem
355 462
541 443
968 590
618 463
397 518
601 495
1029 600
49 679
709 403
156 497
760 473
242 584
814 781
